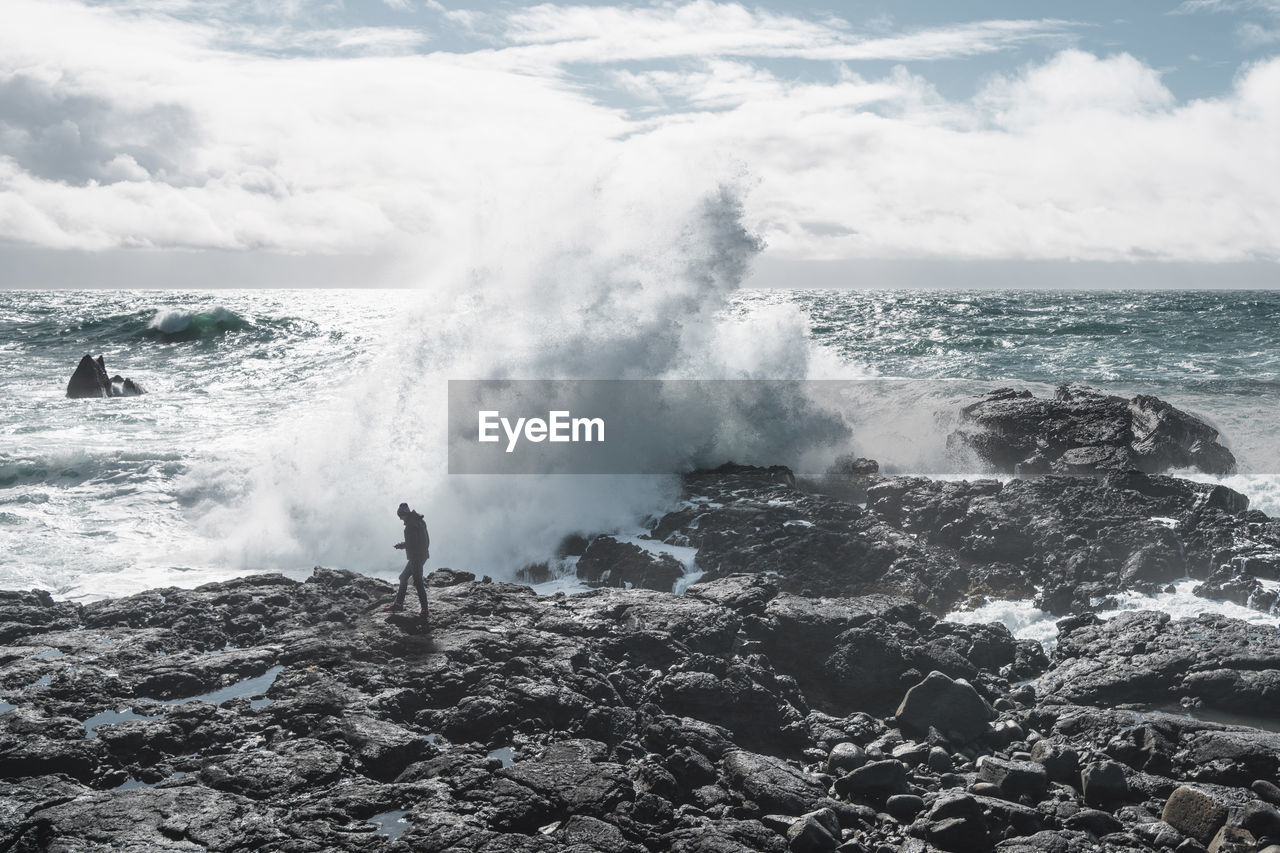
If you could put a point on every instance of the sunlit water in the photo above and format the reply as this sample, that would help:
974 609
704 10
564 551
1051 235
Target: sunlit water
274 435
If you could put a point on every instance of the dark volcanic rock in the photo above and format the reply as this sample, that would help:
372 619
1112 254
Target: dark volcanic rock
1082 431
1065 540
1080 539
951 707
754 520
90 380
608 562
262 713
1149 659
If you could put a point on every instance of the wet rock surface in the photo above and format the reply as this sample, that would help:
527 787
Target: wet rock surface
1084 431
265 714
91 380
802 695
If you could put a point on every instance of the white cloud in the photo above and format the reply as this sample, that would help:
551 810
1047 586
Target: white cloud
168 138
552 34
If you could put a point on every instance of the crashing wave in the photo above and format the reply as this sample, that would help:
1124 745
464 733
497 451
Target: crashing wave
175 324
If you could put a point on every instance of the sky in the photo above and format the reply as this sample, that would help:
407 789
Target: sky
162 143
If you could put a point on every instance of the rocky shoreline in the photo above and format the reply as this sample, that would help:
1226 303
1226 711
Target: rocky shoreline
801 695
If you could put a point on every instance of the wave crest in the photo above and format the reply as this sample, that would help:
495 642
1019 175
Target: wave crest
174 324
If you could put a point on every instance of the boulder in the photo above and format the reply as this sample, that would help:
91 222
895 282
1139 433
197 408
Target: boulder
951 706
1233 839
1261 819
1195 813
1014 778
877 780
815 832
1104 783
1061 763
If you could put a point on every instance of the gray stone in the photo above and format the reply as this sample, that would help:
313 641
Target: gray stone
904 807
1014 778
1262 819
958 835
940 760
1233 839
845 757
815 832
879 779
1104 782
1094 821
1266 791
1062 763
1195 813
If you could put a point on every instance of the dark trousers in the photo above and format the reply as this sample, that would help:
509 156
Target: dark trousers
412 569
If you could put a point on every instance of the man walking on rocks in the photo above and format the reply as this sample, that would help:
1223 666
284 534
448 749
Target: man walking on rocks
416 546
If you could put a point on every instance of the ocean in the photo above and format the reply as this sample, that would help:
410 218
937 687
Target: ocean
281 428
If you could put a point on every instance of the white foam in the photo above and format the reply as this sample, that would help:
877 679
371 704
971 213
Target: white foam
1262 490
171 321
1028 622
1182 604
1023 619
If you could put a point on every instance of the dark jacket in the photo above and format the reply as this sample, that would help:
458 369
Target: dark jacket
417 542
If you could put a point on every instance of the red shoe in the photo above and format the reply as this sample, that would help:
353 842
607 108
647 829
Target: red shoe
393 608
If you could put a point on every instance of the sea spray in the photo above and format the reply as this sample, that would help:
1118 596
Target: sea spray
611 304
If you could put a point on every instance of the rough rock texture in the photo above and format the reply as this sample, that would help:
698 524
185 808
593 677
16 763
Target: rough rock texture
756 712
265 714
1083 431
90 379
1149 660
1067 541
608 562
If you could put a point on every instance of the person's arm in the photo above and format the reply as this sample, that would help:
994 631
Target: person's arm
399 546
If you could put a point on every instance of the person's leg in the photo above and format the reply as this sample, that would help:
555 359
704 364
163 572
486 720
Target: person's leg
404 582
422 587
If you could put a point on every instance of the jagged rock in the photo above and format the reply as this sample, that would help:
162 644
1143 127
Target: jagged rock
815 832
771 783
1082 431
1061 763
1148 658
609 562
620 720
956 822
90 380
449 577
849 477
1233 839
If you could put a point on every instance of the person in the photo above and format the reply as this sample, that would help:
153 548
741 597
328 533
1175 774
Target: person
416 546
